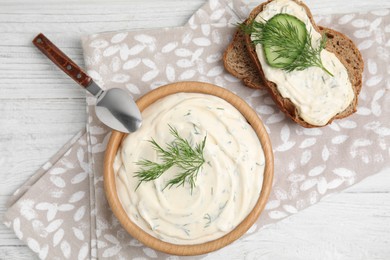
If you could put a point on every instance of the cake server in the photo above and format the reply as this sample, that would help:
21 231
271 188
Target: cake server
114 107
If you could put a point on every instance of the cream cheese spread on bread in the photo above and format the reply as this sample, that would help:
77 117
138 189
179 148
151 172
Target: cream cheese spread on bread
227 188
317 95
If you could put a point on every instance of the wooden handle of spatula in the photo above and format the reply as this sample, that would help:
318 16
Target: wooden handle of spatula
61 60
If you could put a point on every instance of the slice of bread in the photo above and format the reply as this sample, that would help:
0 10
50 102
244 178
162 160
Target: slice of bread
240 59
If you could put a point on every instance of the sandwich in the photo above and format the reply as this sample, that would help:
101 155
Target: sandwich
313 73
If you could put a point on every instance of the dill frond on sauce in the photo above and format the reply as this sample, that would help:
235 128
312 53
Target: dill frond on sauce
178 153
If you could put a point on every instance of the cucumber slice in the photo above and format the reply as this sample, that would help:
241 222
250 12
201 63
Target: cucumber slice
287 38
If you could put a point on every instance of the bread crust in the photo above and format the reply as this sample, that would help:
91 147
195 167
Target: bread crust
237 62
337 43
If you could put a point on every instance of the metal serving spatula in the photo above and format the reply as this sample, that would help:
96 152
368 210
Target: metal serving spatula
114 107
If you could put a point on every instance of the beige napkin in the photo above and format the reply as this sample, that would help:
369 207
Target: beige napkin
62 211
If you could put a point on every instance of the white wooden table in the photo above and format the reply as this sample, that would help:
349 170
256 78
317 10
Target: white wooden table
41 109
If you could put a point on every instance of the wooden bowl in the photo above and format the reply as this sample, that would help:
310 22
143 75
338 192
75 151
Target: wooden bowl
196 249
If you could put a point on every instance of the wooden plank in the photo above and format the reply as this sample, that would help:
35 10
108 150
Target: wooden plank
343 226
21 252
31 131
61 17
378 183
26 73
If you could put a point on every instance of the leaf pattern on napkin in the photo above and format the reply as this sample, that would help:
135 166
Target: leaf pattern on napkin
53 216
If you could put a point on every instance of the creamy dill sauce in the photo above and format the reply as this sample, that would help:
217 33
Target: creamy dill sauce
227 187
317 95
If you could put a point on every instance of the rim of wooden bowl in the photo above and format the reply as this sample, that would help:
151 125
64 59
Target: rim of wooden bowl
196 249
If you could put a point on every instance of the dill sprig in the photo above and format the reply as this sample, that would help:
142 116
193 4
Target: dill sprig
293 49
178 153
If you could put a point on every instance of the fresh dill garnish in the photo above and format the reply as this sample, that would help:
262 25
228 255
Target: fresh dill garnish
286 43
178 153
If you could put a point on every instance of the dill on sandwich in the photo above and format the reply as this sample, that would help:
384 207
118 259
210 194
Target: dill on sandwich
286 43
